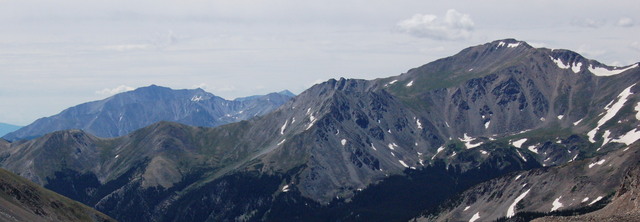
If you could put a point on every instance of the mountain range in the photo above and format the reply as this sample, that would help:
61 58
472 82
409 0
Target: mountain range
499 131
7 128
125 112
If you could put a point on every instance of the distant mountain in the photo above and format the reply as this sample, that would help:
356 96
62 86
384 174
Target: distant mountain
125 112
7 128
475 129
22 200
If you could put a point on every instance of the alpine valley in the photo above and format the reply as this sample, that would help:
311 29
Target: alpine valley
500 131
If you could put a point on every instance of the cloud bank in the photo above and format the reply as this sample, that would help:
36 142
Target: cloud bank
113 91
453 26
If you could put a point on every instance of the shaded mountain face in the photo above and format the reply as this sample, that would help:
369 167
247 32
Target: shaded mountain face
379 150
22 200
125 112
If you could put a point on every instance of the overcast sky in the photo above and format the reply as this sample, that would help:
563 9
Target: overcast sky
57 54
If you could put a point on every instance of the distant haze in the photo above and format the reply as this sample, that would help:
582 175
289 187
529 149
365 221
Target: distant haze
56 54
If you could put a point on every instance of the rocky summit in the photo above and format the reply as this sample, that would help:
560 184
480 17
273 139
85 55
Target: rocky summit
499 131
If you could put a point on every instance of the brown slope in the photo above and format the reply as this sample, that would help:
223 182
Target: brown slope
22 200
625 206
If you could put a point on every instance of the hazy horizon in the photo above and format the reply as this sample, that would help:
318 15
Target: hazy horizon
54 55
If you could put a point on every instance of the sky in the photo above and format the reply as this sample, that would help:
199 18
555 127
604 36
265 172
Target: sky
58 54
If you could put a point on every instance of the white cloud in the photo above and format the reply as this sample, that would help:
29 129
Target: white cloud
201 86
113 91
589 51
635 45
127 47
454 26
588 22
625 22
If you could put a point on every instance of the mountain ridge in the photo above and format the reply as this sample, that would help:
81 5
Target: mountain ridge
122 113
327 147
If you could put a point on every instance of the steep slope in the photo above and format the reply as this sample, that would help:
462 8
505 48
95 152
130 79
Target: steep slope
625 205
125 112
577 187
378 150
507 86
7 128
22 200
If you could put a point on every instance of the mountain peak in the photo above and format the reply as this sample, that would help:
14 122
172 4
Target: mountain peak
510 43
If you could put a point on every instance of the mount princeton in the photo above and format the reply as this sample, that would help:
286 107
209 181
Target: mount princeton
499 131
125 112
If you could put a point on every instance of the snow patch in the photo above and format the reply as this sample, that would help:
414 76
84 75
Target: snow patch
392 82
513 45
629 137
574 158
500 44
596 200
585 199
392 146
611 111
196 98
343 142
312 120
419 123
284 126
559 63
466 208
512 209
486 125
560 116
597 163
518 177
117 156
403 164
410 84
285 188
602 71
484 152
281 142
518 143
606 137
477 215
373 147
533 149
577 122
521 156
576 67
556 204
467 142
440 149
637 109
